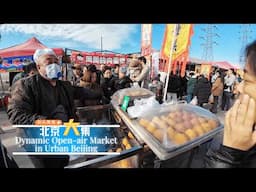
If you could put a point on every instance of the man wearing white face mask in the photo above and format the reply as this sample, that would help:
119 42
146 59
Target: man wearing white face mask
44 96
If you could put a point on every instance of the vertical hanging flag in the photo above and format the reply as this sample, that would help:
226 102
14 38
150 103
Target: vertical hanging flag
166 47
181 46
183 42
146 39
183 39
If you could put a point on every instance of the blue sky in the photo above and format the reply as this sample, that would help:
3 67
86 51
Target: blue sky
123 38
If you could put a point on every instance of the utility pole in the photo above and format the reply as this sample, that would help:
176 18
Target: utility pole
209 41
245 36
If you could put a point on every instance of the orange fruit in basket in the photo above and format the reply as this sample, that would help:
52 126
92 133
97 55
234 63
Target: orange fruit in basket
151 127
192 115
179 127
180 138
202 119
186 117
179 119
195 121
156 119
172 115
213 123
143 122
171 132
159 134
198 129
206 126
160 123
164 119
191 134
187 124
171 122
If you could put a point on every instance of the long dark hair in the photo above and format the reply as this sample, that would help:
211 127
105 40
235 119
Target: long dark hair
250 52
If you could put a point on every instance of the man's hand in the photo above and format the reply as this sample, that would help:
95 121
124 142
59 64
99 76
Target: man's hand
238 131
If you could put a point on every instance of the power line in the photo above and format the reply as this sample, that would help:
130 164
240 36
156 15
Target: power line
209 41
245 36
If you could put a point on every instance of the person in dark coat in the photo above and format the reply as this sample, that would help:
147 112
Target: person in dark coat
28 70
123 80
108 83
202 90
44 96
191 86
174 85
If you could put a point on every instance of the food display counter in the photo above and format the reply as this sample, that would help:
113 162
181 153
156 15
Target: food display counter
156 136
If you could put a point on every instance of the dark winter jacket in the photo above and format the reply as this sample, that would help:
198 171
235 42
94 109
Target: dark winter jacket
94 101
226 157
174 84
123 83
202 90
35 98
191 85
108 87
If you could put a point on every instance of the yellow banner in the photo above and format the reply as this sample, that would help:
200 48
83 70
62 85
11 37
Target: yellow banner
183 39
166 48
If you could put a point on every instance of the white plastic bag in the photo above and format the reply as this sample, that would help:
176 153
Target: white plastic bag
194 101
142 107
211 100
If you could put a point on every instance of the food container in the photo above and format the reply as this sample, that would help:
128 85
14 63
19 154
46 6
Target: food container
174 129
133 93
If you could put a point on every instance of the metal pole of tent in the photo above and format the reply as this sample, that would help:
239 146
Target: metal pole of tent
170 60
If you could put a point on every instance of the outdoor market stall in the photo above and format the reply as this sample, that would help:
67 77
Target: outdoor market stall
14 57
157 137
